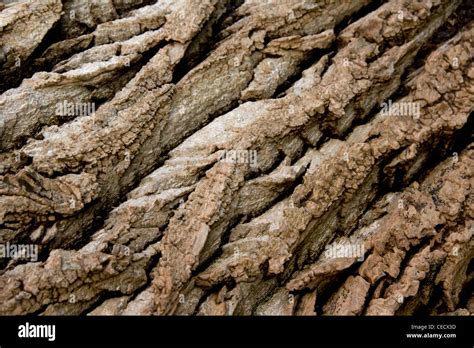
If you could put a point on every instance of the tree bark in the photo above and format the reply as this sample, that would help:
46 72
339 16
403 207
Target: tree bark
241 158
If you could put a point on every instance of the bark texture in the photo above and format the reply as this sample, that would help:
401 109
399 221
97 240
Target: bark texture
254 157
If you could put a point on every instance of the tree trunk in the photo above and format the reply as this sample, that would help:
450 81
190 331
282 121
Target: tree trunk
223 157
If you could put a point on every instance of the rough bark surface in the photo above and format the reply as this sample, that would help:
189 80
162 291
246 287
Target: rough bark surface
219 157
